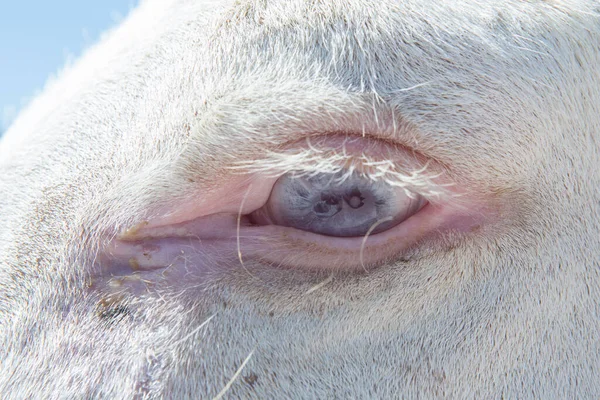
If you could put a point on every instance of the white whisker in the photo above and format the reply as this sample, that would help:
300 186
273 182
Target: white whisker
192 333
239 219
234 377
319 285
364 241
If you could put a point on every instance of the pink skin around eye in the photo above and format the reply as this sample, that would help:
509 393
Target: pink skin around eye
212 243
210 234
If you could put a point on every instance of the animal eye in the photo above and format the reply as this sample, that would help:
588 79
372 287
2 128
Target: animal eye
344 204
341 204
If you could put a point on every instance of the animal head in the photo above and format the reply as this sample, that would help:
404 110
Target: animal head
310 199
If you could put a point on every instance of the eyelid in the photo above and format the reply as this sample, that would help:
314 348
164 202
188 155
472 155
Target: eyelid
253 177
375 159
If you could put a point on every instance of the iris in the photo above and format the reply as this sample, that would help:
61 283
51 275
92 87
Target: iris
341 204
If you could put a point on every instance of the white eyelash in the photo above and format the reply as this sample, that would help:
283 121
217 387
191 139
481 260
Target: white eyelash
310 162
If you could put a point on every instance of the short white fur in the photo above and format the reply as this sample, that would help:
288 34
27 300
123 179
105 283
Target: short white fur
506 94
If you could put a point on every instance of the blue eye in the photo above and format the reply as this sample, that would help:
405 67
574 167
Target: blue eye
337 204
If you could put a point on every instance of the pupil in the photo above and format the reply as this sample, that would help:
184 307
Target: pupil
321 208
329 205
355 202
354 199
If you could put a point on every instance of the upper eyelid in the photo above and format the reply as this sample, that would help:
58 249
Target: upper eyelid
311 161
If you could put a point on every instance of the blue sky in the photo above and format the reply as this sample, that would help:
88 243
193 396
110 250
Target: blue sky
37 37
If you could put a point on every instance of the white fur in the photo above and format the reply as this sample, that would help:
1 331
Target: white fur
505 93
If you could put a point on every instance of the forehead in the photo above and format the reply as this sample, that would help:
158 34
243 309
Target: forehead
446 66
379 43
423 58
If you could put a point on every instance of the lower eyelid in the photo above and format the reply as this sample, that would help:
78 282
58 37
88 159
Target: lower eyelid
283 247
319 252
313 251
192 253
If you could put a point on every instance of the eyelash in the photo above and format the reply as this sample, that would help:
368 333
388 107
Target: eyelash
312 161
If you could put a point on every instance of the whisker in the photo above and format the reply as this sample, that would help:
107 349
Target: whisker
364 241
239 219
234 377
192 333
319 285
